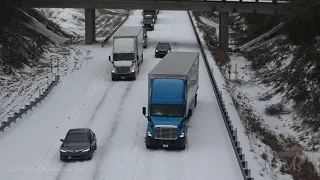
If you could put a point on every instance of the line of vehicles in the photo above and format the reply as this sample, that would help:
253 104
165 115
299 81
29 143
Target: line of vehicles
172 93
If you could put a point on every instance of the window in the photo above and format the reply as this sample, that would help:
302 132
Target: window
123 56
167 110
163 46
77 137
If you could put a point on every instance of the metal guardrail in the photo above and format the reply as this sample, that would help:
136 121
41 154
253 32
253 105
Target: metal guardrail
231 131
18 114
115 30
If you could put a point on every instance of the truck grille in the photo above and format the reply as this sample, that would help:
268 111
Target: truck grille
166 133
123 69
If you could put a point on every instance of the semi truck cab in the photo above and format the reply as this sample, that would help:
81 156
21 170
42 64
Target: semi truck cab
172 97
166 114
127 53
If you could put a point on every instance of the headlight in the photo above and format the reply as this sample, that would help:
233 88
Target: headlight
62 150
144 41
113 70
149 134
182 135
86 150
157 51
168 51
132 70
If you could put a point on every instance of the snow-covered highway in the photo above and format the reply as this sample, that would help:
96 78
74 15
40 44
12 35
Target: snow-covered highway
88 98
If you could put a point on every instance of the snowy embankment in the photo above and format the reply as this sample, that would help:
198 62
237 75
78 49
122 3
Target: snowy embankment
25 85
245 93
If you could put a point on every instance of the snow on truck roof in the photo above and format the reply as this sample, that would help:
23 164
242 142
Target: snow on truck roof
128 31
175 63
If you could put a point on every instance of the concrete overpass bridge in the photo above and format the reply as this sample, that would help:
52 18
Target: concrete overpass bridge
224 7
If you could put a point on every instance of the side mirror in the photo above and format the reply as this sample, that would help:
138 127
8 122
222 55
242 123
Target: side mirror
61 140
110 58
144 111
137 57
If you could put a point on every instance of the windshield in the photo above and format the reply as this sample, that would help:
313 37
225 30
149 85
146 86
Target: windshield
77 137
167 110
147 21
123 57
163 46
149 12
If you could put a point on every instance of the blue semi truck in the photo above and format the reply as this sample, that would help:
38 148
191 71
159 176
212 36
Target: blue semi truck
172 97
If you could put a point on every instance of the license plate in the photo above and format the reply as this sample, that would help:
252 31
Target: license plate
122 77
69 157
165 145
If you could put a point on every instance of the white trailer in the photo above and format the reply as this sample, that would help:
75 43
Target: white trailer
127 54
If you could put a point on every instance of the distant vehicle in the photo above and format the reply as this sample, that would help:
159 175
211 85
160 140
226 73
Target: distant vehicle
78 144
150 14
145 38
148 24
127 52
172 96
145 33
162 49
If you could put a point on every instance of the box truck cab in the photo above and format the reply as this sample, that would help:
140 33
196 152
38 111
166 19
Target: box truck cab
172 97
127 54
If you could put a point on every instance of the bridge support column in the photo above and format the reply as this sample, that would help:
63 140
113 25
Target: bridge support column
90 26
224 30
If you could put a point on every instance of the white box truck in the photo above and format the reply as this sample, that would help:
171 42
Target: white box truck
127 53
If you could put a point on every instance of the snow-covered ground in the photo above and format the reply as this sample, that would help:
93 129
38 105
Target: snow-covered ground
88 98
18 90
72 20
243 85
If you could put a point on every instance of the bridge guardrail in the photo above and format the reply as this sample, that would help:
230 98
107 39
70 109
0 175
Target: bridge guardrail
231 131
115 30
56 80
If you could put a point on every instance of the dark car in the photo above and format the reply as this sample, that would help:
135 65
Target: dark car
145 33
162 49
78 144
148 24
145 38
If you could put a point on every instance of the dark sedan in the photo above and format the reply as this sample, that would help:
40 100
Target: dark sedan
78 144
148 24
162 49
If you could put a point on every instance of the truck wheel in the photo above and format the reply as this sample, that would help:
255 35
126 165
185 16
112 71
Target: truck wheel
148 146
90 155
183 147
189 113
134 77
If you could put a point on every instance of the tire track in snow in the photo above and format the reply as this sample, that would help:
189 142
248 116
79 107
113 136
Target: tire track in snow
96 87
100 103
72 116
107 142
